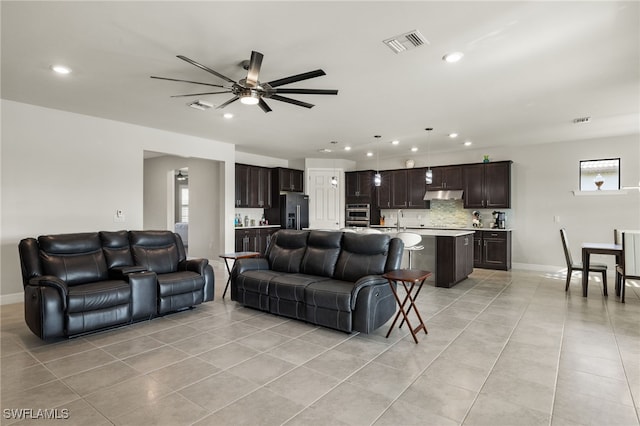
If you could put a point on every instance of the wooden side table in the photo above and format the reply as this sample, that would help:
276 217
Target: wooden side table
235 256
416 278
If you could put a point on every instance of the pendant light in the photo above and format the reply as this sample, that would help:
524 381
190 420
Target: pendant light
377 178
428 177
180 176
334 178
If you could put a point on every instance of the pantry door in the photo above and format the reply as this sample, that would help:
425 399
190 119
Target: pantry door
326 209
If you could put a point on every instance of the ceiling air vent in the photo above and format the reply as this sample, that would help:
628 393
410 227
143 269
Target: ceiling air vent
406 41
581 120
201 105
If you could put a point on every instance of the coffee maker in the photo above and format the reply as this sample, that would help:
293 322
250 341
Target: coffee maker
499 220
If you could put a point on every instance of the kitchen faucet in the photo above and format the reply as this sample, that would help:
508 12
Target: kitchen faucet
400 213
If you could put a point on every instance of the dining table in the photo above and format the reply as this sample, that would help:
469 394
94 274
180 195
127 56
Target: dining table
597 248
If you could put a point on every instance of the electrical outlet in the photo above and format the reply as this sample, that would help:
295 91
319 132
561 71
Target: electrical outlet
556 219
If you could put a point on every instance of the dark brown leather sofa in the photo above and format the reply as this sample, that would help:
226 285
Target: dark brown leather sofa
78 283
329 278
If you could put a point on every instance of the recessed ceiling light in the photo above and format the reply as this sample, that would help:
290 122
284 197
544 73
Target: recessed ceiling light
414 149
347 148
453 135
228 115
395 142
453 57
61 69
468 143
369 154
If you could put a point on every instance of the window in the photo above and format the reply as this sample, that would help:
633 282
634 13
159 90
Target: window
600 175
184 203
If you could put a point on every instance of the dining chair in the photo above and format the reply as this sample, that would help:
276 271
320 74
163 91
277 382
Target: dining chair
629 267
411 242
572 267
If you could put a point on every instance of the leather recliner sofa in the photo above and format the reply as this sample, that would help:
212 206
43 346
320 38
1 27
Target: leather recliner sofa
328 278
78 283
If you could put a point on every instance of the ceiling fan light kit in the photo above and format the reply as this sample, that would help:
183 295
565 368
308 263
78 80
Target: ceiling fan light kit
250 91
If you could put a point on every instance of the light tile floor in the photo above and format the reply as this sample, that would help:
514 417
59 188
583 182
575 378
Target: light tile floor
504 348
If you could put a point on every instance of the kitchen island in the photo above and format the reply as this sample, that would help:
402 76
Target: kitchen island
447 253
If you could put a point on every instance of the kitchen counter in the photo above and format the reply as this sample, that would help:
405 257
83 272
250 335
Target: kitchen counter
257 227
416 228
430 232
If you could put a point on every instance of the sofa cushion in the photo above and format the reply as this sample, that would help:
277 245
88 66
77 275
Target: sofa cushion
115 246
361 255
323 249
292 286
179 282
328 303
74 258
98 295
155 250
286 250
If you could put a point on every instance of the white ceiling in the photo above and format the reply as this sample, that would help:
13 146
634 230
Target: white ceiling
529 69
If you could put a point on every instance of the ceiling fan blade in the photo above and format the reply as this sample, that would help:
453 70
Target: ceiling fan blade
262 104
254 69
291 101
207 69
298 77
199 94
307 91
187 81
235 98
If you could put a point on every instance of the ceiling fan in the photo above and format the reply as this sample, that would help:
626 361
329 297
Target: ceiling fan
250 90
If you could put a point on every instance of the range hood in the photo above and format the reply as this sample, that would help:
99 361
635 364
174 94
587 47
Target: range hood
443 195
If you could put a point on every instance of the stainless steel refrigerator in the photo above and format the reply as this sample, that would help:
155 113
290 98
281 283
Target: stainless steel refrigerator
294 210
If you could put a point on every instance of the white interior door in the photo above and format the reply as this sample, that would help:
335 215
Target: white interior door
325 202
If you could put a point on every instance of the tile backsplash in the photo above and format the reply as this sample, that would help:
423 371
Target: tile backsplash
443 213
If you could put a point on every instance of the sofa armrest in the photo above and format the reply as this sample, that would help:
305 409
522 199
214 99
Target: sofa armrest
250 264
53 282
364 282
122 272
194 265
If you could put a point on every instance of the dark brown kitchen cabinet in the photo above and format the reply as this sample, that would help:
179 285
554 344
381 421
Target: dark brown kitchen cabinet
242 185
253 186
492 250
446 177
358 187
253 239
454 259
259 187
487 185
401 189
289 180
383 192
417 186
398 189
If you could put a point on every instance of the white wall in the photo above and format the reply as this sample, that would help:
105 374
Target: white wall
205 189
65 172
542 179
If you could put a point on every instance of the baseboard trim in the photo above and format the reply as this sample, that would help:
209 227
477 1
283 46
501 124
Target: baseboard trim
8 299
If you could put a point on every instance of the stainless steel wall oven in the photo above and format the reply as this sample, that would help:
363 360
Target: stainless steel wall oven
357 214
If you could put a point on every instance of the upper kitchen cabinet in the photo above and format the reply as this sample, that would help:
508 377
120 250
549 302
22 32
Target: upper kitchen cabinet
383 192
446 177
401 189
358 187
242 185
260 187
416 187
253 185
288 180
487 185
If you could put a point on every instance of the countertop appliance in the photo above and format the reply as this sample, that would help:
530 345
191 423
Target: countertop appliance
293 211
500 220
357 214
